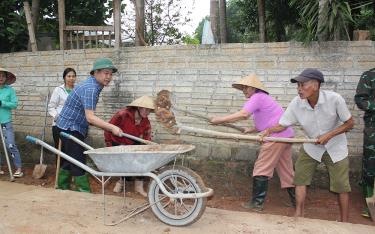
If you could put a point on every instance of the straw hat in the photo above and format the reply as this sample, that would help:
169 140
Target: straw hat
144 101
251 81
11 78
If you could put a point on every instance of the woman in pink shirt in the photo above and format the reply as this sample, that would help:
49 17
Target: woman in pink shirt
266 113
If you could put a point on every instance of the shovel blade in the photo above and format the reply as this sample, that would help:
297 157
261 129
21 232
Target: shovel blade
39 171
371 206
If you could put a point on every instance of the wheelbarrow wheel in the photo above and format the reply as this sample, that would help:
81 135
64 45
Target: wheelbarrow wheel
177 211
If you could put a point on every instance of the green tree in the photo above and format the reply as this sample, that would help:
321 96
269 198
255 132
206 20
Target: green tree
242 20
281 20
324 20
189 40
163 20
13 28
199 30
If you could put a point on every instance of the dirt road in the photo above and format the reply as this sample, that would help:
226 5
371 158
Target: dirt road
34 209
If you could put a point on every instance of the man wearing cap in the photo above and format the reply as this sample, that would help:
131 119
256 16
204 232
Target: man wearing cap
322 115
132 120
8 102
365 100
266 113
75 118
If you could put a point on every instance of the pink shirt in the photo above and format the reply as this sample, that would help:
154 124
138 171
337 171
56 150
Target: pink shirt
266 113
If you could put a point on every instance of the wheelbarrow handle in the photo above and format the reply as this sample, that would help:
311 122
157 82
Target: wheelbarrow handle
37 141
76 140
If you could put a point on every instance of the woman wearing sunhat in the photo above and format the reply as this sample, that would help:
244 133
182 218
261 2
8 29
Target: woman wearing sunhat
266 113
76 116
132 120
9 101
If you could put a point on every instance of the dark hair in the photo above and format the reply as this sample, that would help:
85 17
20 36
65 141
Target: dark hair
67 70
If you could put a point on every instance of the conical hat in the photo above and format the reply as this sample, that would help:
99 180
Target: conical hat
251 81
144 101
11 78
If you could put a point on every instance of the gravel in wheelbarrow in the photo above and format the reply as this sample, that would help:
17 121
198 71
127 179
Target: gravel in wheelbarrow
135 158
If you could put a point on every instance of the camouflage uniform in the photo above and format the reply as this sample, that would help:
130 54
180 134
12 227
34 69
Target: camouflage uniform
365 100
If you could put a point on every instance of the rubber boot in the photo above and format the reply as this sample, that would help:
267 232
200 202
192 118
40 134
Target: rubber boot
118 186
64 179
260 186
292 195
138 187
82 183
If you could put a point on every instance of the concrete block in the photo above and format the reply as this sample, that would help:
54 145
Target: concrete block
248 153
220 152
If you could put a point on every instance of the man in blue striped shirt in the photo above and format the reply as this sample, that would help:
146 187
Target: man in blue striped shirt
75 117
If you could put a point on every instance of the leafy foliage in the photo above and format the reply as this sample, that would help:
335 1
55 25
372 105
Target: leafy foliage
365 19
190 40
163 20
332 24
243 25
13 28
242 21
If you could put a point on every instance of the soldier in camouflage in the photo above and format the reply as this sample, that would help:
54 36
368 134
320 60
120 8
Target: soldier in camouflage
365 100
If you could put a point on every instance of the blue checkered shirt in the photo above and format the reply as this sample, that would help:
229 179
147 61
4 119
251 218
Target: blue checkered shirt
84 96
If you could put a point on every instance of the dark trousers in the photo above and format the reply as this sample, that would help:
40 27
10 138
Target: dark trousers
56 135
73 150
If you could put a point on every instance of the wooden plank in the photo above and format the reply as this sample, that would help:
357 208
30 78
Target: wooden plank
91 37
89 28
61 11
117 22
71 40
30 27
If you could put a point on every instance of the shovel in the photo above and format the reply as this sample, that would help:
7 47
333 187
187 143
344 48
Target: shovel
11 177
371 204
40 168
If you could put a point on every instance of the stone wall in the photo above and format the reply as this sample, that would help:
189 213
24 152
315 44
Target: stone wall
199 76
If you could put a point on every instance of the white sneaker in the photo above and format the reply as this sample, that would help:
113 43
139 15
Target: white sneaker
18 173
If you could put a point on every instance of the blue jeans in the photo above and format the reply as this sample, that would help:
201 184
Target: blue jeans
10 143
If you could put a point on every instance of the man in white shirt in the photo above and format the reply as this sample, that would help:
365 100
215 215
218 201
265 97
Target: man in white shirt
322 115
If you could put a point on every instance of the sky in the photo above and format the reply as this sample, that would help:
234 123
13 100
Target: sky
201 9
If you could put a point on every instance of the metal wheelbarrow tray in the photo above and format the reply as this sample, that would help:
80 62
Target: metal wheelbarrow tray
177 195
135 158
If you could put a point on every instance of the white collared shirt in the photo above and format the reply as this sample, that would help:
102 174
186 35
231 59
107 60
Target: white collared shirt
57 101
329 113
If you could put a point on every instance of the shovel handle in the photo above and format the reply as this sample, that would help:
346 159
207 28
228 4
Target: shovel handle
208 118
6 153
44 127
58 164
138 139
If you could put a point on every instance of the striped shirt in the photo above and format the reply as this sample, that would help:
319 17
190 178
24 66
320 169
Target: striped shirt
84 96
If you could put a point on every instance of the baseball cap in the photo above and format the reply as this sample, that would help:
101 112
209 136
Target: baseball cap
309 74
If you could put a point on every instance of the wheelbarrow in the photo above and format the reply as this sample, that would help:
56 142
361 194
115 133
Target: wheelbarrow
177 195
